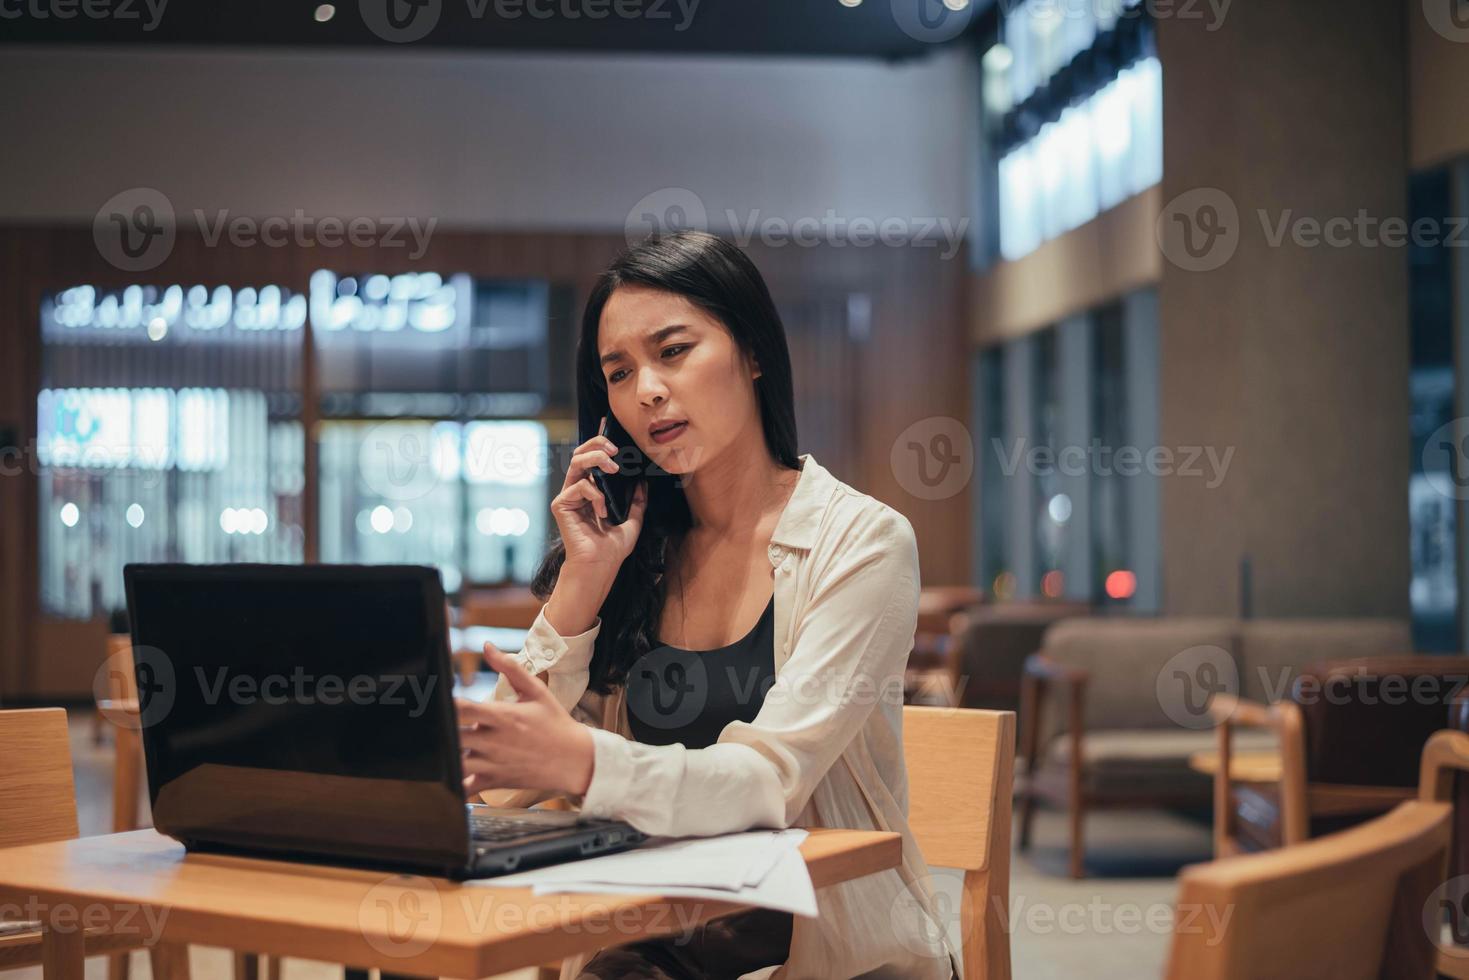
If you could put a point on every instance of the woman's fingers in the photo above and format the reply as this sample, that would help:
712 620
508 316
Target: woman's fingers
583 492
583 463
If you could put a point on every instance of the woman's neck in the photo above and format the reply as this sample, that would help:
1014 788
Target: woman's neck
731 493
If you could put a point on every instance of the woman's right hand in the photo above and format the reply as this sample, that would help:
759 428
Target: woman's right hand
579 510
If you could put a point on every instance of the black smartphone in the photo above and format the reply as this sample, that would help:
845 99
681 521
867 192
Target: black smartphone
618 488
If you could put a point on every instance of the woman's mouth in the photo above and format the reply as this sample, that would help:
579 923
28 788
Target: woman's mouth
669 433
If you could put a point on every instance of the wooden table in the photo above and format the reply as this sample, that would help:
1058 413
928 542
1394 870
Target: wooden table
1244 767
400 923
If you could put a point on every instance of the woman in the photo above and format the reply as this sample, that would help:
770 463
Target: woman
700 722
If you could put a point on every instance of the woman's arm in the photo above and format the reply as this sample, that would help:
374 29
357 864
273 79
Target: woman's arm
849 651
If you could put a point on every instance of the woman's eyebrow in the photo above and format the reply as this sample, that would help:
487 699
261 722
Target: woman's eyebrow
655 337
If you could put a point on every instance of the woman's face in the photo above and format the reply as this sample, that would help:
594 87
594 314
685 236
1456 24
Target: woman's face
664 359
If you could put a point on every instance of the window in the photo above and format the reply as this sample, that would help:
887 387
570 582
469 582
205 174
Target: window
169 430
1073 97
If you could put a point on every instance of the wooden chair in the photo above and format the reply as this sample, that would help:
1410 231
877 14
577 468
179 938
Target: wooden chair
1350 740
961 768
1445 759
1347 906
37 805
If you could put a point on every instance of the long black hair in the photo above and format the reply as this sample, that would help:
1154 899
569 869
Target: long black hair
718 277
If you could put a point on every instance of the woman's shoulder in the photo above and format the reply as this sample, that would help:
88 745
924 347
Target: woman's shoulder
856 518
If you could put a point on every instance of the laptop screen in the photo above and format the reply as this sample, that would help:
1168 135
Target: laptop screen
303 709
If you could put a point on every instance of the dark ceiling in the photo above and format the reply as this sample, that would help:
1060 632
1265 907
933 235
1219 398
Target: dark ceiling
893 29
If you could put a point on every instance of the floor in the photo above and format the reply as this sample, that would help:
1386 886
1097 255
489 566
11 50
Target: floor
1114 924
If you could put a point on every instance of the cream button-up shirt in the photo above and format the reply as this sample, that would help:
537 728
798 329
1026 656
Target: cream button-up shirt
825 749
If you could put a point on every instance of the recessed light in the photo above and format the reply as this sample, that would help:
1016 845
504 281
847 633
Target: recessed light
850 3
956 5
326 12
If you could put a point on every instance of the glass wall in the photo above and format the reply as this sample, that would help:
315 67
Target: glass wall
1073 100
170 428
1062 512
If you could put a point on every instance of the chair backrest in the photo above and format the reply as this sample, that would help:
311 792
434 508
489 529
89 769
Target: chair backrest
1347 906
1273 651
1366 720
37 794
961 770
512 608
990 644
1126 659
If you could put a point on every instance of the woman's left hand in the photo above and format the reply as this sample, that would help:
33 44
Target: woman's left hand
532 743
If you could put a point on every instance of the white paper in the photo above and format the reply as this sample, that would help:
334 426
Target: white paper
762 868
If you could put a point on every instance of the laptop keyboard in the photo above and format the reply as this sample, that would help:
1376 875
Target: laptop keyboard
493 827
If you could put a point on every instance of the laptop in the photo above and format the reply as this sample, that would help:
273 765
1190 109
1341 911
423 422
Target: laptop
306 712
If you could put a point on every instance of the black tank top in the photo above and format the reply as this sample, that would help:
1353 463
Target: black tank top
688 696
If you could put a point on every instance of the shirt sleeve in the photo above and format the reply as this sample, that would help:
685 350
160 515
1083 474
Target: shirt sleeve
565 660
848 653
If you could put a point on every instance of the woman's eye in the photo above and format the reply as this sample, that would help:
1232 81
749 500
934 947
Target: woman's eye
676 348
615 377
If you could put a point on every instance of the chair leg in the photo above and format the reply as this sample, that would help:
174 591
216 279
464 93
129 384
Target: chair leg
247 966
126 774
1078 837
119 965
1027 816
170 961
273 965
